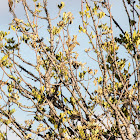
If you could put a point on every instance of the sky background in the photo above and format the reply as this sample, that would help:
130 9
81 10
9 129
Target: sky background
73 6
70 5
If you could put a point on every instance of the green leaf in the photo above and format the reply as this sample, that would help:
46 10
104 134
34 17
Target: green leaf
62 115
84 30
134 34
61 5
4 57
138 6
12 77
119 84
100 79
87 8
128 117
12 111
55 126
8 122
42 88
13 28
101 14
63 119
38 97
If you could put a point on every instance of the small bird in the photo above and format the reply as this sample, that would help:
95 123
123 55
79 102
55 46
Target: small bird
10 2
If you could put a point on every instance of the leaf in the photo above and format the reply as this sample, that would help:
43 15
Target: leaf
12 111
63 119
80 28
38 97
101 15
66 78
77 43
69 112
93 36
61 5
128 118
4 57
62 115
13 28
55 126
96 131
88 15
138 6
100 79
138 42
8 122
87 8
12 77
119 84
84 30
42 88
134 34
129 65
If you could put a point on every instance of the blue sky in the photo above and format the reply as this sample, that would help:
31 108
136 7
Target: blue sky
70 5
74 7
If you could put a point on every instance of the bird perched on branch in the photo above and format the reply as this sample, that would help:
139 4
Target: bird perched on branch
10 3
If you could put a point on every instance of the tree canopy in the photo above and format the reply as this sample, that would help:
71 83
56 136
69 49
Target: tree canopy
57 96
